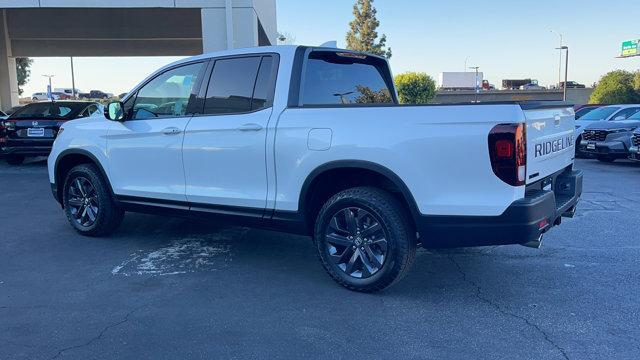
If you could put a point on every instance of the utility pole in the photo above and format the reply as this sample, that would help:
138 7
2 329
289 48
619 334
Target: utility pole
560 60
50 90
566 71
477 80
73 81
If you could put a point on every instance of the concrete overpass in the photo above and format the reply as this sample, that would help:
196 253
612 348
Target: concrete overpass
33 28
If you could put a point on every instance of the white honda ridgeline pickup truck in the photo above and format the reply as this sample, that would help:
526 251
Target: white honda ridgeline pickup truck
312 141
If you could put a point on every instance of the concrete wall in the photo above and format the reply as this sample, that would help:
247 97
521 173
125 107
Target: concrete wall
574 96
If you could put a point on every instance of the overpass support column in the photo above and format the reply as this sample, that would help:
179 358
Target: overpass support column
8 73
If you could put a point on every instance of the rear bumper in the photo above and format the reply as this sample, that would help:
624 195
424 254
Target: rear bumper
524 221
33 147
612 148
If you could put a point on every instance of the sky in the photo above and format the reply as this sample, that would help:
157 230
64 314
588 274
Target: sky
505 38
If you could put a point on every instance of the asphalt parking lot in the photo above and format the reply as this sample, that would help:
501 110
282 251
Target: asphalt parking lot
166 288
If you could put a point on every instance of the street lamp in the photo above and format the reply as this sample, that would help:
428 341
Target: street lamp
50 92
465 63
560 60
566 70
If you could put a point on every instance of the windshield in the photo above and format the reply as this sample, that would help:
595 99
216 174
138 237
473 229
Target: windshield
599 114
49 110
582 112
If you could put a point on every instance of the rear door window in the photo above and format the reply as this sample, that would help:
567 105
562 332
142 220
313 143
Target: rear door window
240 85
338 79
231 86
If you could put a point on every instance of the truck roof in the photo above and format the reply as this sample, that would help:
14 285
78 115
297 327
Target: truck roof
283 50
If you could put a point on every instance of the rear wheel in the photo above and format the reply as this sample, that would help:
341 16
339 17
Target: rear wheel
364 239
88 203
15 159
606 158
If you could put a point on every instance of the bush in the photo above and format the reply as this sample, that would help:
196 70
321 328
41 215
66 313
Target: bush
415 88
617 87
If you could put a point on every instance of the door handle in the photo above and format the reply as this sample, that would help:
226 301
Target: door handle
250 127
171 131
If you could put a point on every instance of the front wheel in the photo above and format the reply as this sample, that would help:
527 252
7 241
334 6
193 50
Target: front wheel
364 239
88 203
606 158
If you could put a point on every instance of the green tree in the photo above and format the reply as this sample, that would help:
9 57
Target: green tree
363 35
415 88
636 81
23 66
369 96
617 87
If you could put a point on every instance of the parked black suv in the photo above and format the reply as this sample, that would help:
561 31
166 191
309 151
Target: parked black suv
31 130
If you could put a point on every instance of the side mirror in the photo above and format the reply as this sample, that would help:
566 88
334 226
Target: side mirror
114 111
619 118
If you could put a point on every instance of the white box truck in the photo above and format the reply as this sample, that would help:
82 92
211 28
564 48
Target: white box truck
459 80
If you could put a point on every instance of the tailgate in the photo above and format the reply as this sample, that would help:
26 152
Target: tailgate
550 139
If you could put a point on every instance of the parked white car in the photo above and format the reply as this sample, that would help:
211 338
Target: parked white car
43 96
313 141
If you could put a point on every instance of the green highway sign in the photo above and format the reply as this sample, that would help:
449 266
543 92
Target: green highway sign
630 48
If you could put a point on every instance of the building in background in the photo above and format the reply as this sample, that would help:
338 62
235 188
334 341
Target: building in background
33 28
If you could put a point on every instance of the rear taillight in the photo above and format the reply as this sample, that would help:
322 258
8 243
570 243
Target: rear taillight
7 125
508 153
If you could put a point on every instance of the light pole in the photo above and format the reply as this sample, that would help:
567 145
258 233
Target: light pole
73 81
50 90
560 60
465 63
477 80
566 70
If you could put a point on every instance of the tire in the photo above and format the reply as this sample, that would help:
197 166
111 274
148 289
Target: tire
390 257
606 158
15 159
90 207
579 153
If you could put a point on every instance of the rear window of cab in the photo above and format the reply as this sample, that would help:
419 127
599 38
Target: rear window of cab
342 79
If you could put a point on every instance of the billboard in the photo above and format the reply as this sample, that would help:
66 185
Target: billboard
630 48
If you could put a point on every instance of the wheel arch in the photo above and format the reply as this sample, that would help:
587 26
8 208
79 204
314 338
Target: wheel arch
359 167
71 158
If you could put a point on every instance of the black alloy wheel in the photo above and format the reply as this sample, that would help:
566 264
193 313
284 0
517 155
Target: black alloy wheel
83 202
365 239
89 203
356 242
